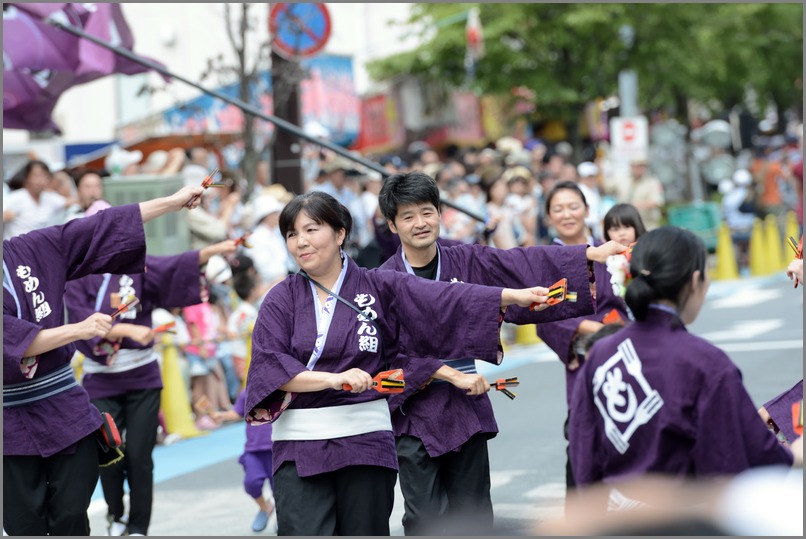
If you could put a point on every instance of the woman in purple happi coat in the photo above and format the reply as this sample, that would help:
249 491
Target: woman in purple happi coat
652 398
334 458
122 371
50 452
441 430
567 209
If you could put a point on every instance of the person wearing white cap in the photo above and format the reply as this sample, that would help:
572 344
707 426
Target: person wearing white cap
738 210
268 249
588 182
122 162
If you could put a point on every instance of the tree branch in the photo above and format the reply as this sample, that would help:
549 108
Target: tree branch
230 35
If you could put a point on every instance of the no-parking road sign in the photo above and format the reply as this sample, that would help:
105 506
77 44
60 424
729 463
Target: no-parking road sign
298 30
629 138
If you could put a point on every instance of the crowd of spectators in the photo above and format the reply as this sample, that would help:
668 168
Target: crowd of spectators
495 196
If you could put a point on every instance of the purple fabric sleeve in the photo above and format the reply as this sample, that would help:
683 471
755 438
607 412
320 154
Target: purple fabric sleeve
17 337
272 364
172 281
731 436
85 242
780 410
469 316
416 372
559 335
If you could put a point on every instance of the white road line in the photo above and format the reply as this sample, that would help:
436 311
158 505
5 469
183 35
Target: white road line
761 346
745 329
745 298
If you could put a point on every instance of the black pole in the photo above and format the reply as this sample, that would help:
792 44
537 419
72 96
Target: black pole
286 165
246 107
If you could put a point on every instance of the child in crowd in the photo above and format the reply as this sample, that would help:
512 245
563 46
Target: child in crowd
256 461
622 223
208 380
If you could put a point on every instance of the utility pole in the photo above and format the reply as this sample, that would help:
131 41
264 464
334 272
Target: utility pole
286 166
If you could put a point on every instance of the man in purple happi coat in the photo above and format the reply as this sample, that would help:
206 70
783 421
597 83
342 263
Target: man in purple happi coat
122 371
442 430
50 451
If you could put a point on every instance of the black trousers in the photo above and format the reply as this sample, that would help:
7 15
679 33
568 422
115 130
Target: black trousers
569 472
447 492
137 413
50 496
356 500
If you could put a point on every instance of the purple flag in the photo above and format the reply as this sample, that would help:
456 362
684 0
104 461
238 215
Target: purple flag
41 61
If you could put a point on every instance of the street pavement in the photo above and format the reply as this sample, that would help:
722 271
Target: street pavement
757 321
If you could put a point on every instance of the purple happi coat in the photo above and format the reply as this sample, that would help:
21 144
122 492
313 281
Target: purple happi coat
416 318
559 335
258 437
653 398
442 416
168 282
780 410
35 267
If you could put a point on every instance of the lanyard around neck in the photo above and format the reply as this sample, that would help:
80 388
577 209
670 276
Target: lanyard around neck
410 270
356 309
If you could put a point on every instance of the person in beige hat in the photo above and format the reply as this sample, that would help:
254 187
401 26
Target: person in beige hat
647 194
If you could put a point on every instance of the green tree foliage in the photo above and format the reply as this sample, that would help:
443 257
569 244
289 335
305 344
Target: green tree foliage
572 53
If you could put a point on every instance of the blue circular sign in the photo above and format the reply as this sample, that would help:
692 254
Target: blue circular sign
299 30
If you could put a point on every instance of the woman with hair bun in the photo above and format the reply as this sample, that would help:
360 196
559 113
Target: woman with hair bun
654 398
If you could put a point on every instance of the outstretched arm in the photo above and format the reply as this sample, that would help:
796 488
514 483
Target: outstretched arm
151 209
96 325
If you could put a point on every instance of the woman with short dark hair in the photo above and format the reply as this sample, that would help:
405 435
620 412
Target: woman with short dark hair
334 458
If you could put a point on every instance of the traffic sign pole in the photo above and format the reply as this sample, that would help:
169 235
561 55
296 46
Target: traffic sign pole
286 166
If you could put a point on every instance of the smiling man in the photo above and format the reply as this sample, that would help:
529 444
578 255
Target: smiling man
443 458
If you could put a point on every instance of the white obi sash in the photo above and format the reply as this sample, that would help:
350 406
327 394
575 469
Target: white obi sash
332 422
